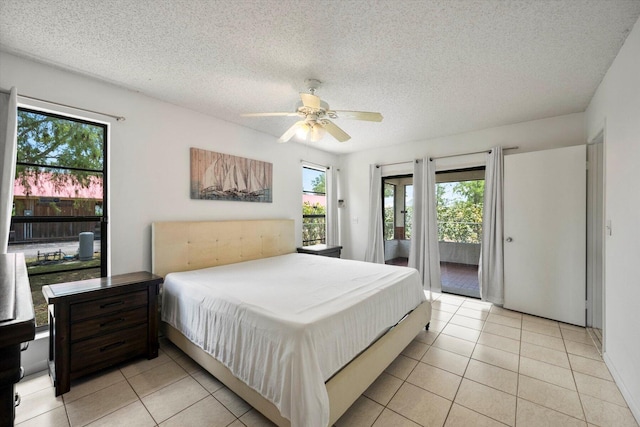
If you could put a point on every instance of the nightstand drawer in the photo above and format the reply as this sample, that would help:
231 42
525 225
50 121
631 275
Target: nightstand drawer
104 306
108 323
101 350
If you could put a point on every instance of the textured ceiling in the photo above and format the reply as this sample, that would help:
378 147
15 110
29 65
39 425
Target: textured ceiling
432 68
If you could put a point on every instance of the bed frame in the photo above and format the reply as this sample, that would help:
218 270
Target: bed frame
183 246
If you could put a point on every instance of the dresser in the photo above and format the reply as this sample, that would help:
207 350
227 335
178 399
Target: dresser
321 249
101 322
17 328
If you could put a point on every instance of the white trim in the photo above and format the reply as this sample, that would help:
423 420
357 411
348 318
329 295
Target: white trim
633 406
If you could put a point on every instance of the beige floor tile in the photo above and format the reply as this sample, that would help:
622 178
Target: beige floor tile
570 327
494 356
232 401
550 396
415 350
420 406
461 332
454 345
513 322
362 413
436 325
541 320
103 402
492 376
543 340
452 299
603 413
544 354
169 348
208 381
34 382
541 328
474 314
188 364
446 360
401 367
591 367
599 388
426 337
530 414
499 342
383 388
584 350
547 372
138 366
236 423
488 401
435 380
168 401
134 414
54 418
389 418
477 305
441 315
156 378
467 322
37 403
504 312
92 383
502 330
207 411
582 336
254 418
459 416
443 306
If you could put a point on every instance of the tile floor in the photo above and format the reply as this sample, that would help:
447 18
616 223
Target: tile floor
478 365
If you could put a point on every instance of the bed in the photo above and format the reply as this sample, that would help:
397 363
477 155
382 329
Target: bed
299 371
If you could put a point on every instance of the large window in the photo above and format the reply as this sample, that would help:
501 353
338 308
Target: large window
59 204
314 206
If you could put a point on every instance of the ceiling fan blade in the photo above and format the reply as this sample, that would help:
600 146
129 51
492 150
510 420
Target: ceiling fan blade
335 131
269 114
311 101
358 115
291 131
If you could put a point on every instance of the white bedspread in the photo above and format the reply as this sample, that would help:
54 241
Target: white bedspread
284 325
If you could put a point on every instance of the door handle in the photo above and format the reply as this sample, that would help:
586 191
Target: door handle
509 239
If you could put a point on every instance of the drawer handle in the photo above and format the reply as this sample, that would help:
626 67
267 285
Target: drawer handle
16 400
112 304
110 346
24 346
112 322
21 372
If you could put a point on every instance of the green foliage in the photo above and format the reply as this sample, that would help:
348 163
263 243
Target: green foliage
313 228
319 184
51 141
460 218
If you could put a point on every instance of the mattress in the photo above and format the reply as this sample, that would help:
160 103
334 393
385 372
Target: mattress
284 325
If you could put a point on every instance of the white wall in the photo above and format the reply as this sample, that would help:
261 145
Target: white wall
149 157
615 108
529 136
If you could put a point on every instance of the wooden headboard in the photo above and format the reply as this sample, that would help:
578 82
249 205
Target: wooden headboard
190 245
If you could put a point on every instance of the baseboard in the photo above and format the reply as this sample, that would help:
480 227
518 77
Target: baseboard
633 406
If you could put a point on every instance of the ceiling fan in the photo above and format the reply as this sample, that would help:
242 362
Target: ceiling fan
315 115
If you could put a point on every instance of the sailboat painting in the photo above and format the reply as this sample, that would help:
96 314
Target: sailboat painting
217 176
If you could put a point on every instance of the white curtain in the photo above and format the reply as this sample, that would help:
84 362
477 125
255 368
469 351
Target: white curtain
491 268
425 254
375 245
333 223
8 153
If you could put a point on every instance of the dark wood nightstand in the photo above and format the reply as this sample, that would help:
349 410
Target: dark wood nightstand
98 323
321 249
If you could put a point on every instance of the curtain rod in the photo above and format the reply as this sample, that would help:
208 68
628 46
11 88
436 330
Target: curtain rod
314 164
468 154
118 118
393 164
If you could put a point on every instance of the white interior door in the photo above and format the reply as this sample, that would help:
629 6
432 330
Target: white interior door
545 233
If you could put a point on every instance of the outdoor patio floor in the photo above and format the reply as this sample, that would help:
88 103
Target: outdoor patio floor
459 279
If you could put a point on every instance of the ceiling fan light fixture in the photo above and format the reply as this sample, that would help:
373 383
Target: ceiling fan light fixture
303 131
317 132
